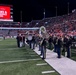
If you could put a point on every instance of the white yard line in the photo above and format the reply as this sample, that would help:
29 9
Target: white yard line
45 72
5 44
10 49
13 61
42 64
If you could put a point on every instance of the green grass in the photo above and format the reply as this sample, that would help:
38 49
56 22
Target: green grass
9 52
73 54
24 68
17 54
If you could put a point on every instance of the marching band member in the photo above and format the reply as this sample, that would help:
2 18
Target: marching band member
55 43
43 48
50 40
40 45
18 40
33 42
68 46
23 40
29 38
59 44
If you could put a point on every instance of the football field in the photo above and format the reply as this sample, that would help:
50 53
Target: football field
21 61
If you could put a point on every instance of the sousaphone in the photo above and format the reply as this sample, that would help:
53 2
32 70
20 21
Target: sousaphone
43 33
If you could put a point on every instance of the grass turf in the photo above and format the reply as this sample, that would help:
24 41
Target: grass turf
24 68
9 52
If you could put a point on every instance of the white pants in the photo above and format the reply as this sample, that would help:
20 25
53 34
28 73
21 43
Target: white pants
21 44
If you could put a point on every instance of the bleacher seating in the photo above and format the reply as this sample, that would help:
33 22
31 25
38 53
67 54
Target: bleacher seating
64 23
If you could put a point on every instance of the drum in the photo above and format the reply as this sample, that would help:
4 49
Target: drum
29 37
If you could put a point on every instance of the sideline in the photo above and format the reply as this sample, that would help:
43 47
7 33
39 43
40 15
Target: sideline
64 65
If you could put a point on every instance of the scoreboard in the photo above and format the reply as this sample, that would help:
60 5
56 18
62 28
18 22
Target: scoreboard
6 13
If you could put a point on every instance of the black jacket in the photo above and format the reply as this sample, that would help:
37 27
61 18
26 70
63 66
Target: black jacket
44 42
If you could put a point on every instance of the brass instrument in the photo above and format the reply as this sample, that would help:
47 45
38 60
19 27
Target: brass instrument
43 33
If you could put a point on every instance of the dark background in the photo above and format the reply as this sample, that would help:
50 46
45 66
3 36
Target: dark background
33 9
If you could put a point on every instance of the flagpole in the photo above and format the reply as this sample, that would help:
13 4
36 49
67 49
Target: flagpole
21 17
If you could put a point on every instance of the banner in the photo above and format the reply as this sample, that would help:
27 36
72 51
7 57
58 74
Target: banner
4 12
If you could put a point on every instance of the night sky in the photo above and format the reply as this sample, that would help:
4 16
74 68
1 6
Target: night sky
33 9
